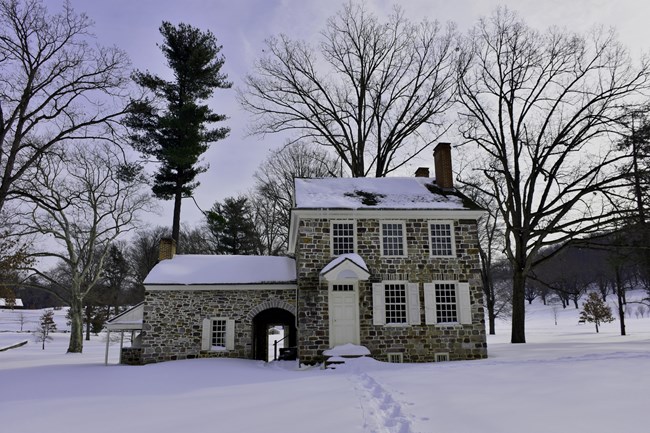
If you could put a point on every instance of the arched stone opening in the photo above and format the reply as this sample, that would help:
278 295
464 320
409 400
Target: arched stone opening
266 322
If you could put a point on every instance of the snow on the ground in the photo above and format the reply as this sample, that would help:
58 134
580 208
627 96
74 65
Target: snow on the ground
566 378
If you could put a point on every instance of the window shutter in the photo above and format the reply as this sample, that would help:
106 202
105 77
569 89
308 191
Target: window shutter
414 303
430 304
230 334
378 304
464 306
205 335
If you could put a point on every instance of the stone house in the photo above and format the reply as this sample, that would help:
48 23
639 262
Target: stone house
391 264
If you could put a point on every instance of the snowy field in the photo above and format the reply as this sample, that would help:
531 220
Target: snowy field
565 379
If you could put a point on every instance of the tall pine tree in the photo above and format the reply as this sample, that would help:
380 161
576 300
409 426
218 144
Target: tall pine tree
178 134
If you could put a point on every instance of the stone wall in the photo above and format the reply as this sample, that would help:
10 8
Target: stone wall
172 320
131 356
417 343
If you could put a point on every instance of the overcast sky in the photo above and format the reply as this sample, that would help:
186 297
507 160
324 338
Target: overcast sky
241 26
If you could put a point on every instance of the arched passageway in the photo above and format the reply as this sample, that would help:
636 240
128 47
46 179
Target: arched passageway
265 324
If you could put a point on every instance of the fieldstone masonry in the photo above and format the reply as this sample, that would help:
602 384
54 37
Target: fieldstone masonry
417 343
172 320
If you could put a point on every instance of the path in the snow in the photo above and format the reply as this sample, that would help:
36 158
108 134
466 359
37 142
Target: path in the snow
381 413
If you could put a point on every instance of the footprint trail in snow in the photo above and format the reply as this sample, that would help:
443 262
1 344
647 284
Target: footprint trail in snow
382 414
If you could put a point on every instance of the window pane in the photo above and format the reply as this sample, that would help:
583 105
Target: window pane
441 240
342 238
446 310
392 239
395 303
342 288
219 333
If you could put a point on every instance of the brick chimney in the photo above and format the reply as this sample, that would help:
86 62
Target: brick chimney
422 172
167 248
442 162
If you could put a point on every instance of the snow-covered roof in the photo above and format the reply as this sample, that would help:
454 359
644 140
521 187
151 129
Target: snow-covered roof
129 319
376 193
213 269
17 302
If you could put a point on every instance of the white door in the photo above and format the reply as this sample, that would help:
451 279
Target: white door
344 314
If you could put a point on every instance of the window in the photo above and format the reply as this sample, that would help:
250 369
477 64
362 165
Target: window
441 357
447 303
392 239
342 287
396 303
442 238
218 334
395 357
342 238
446 311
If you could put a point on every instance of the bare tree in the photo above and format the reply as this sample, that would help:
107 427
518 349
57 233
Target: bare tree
195 240
54 86
143 250
84 200
538 108
22 319
272 196
490 234
374 92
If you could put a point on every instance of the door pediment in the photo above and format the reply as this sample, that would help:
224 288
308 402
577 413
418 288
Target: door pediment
346 267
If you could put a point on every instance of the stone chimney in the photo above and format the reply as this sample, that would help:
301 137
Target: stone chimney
442 162
422 172
167 248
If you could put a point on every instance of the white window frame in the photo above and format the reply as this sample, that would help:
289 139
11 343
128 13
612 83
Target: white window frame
453 237
381 238
206 337
441 357
395 357
354 235
463 303
413 313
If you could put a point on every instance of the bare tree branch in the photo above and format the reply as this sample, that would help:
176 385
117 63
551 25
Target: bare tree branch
374 92
541 109
84 201
54 86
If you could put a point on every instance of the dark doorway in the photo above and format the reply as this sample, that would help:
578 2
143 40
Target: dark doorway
265 322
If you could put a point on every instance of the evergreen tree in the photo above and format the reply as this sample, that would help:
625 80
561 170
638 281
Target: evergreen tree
8 295
46 325
232 226
596 311
115 278
178 135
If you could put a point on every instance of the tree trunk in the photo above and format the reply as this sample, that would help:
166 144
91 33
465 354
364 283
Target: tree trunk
76 325
491 322
491 316
176 223
518 306
87 329
89 316
621 299
596 322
